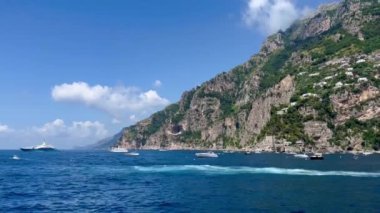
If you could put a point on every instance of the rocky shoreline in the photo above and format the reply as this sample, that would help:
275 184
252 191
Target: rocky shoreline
274 149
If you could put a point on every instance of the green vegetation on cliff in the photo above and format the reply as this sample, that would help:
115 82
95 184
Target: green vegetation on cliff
332 59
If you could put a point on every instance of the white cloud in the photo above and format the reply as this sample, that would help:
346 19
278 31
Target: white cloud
117 101
84 129
5 128
157 83
116 121
270 16
77 129
56 132
132 117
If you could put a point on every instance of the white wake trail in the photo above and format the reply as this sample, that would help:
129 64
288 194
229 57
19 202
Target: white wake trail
225 170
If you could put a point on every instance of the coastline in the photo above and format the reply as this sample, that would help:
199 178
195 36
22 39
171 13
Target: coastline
243 150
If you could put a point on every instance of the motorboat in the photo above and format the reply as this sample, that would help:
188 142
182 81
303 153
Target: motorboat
42 147
118 149
206 155
317 156
367 153
132 154
305 156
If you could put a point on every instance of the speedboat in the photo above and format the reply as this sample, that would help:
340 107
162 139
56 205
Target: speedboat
133 154
15 157
367 153
42 147
118 149
301 156
206 155
317 156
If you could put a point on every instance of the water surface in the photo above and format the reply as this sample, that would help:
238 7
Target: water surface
176 181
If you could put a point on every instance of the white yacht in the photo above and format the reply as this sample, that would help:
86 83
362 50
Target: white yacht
206 155
118 149
367 153
42 147
305 156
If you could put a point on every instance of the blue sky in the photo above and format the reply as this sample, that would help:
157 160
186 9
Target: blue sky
75 71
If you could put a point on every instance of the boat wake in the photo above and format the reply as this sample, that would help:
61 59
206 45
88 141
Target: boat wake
221 170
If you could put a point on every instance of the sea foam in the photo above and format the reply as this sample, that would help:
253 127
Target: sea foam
222 170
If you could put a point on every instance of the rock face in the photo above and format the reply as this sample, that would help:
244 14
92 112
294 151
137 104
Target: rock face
261 107
319 132
346 104
314 86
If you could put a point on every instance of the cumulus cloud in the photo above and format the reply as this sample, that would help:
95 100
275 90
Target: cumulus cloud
57 132
4 128
157 83
270 16
77 129
117 101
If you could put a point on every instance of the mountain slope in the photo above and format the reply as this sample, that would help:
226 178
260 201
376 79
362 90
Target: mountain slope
314 86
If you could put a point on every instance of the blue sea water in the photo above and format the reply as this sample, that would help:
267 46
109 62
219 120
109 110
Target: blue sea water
176 181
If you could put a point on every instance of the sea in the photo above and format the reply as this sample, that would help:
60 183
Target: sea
177 181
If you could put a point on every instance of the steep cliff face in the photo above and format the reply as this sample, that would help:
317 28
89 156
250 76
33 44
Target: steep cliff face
314 86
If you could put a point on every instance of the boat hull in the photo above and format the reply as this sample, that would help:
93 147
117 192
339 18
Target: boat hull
26 149
119 151
132 154
206 155
39 149
301 156
45 149
316 158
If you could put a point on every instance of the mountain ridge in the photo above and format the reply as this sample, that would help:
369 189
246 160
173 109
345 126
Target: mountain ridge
294 95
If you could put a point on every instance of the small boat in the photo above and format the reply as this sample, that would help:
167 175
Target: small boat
247 152
317 156
118 149
305 156
206 155
163 150
42 147
15 157
367 153
133 154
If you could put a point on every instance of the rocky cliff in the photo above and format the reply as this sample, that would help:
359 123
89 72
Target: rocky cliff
314 86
